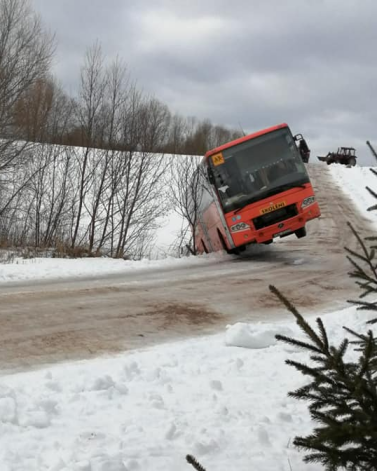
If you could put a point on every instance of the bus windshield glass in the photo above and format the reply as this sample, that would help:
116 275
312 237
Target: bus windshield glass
258 168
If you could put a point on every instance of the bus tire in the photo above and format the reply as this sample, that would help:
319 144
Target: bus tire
204 246
224 246
300 232
222 242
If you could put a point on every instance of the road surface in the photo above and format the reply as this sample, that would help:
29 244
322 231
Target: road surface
58 321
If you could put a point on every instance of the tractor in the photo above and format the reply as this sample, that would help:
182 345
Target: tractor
344 155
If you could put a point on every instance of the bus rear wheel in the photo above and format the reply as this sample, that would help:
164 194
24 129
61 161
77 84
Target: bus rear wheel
204 246
222 241
300 232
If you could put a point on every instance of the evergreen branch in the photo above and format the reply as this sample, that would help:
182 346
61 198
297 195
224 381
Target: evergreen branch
298 343
364 305
309 371
323 333
373 193
367 355
365 250
194 463
364 258
360 272
352 332
301 322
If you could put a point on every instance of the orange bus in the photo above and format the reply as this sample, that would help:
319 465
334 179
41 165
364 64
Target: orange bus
253 190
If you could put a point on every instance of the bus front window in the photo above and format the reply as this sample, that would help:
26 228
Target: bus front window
258 168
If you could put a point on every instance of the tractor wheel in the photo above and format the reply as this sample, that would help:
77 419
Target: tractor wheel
300 232
351 162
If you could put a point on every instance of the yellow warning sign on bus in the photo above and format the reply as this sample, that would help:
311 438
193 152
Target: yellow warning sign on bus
218 159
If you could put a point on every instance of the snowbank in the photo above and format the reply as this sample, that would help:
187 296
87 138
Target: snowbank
255 336
58 268
353 182
145 410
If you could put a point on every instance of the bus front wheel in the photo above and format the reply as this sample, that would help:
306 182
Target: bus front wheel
300 232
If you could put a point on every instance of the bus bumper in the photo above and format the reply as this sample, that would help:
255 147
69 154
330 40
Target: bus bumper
281 229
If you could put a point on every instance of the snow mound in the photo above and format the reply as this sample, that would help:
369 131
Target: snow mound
254 335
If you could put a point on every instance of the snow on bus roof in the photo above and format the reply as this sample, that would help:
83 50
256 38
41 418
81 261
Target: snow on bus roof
243 139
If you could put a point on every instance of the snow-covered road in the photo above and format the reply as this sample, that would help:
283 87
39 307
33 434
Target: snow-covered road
80 318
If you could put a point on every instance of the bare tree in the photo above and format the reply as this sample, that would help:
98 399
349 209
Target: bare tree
25 55
177 133
186 193
154 120
141 199
104 160
93 85
44 113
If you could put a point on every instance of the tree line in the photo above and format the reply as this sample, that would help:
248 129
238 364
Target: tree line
85 172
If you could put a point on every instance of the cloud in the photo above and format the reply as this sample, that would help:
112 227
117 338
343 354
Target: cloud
306 62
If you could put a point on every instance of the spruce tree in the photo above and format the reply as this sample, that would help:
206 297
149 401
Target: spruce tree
342 398
194 463
342 394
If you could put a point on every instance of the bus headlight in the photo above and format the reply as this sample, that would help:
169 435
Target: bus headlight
241 226
307 202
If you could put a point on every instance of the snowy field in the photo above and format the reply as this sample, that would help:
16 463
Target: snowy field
221 398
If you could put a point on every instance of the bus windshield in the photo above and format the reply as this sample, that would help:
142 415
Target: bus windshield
258 168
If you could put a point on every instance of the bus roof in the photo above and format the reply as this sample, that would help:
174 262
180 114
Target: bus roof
243 139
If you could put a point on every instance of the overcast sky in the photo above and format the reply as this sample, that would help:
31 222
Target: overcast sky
310 63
